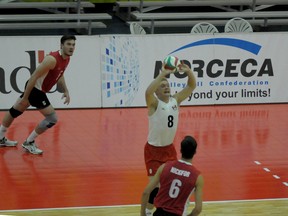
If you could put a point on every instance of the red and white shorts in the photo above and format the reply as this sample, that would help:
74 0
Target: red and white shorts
156 156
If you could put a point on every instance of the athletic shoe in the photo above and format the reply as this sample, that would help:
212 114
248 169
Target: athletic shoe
31 147
7 143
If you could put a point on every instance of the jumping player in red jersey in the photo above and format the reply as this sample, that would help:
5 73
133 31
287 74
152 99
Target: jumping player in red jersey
163 112
178 180
46 75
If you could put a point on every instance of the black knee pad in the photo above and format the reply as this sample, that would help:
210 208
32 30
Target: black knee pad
153 195
14 113
50 124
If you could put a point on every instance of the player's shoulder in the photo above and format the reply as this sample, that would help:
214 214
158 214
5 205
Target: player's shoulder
196 170
173 99
171 163
54 53
50 58
152 106
49 61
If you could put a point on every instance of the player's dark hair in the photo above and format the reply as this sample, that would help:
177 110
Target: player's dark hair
188 147
67 37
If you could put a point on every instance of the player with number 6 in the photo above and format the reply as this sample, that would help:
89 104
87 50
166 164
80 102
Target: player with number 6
163 112
178 179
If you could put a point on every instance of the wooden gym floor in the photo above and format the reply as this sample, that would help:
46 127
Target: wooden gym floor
93 161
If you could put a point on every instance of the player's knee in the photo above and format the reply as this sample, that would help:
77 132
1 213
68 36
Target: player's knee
153 195
52 120
14 113
49 121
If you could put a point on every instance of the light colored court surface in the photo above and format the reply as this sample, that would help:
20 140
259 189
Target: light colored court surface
235 208
94 158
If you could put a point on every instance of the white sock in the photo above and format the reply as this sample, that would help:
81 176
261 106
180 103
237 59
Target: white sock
32 136
3 130
148 212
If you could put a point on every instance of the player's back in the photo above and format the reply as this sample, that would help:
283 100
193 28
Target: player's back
177 183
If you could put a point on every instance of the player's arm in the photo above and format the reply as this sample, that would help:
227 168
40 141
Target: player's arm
47 64
150 97
190 86
62 84
198 196
151 185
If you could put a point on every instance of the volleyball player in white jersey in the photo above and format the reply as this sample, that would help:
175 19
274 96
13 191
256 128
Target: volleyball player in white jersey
163 111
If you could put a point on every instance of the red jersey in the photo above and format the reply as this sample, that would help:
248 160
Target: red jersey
177 183
46 82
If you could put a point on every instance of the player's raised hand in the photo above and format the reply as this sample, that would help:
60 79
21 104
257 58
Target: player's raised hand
184 67
164 71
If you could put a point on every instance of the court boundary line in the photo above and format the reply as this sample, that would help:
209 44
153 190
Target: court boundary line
134 205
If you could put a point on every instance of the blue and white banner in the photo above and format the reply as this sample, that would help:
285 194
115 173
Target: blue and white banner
115 70
230 69
121 68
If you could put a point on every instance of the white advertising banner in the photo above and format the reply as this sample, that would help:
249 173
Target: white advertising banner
19 56
115 70
237 68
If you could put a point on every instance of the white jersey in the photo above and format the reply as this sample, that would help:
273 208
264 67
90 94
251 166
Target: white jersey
163 123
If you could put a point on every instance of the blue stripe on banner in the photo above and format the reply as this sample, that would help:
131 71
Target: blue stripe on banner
241 44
